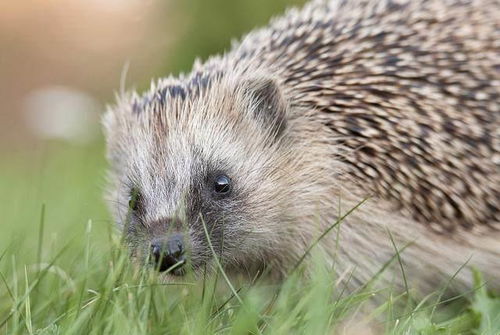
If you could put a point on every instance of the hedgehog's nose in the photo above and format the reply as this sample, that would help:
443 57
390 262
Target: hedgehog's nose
168 254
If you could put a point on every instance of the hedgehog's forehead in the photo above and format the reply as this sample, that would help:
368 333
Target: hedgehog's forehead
213 122
172 138
208 111
203 138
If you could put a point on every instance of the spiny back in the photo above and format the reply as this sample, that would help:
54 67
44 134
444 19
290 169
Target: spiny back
410 88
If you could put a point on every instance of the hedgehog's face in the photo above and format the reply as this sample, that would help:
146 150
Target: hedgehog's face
197 178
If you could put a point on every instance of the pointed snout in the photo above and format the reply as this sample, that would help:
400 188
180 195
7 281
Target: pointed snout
168 253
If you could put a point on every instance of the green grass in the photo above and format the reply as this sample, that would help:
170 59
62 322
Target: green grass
63 271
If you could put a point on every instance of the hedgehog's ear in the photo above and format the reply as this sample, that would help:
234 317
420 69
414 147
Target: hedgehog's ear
268 103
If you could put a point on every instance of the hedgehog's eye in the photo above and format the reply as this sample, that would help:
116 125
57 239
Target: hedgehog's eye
134 199
222 184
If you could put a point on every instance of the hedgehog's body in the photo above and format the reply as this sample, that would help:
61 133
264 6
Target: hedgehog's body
397 101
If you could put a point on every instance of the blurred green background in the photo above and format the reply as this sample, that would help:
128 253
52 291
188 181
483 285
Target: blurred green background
60 64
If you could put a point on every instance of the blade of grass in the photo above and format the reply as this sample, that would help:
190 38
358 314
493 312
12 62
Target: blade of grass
27 304
383 268
34 284
9 291
219 265
448 283
3 253
398 256
339 220
40 234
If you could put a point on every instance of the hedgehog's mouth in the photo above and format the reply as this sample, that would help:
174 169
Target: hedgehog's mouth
178 272
170 266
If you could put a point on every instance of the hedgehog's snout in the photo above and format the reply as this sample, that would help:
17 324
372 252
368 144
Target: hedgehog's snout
168 254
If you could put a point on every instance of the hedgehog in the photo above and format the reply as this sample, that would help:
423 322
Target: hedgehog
366 128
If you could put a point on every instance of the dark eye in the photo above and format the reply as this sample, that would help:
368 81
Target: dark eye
134 199
222 184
